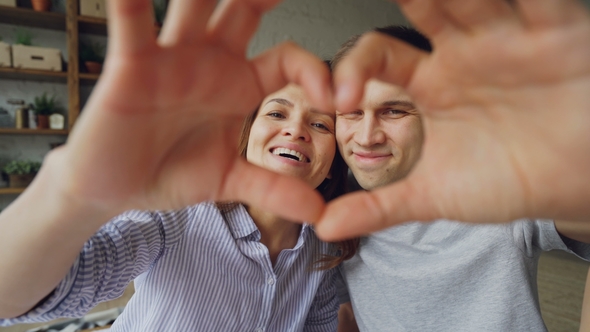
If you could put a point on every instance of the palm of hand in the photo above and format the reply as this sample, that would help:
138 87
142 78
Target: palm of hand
151 105
486 103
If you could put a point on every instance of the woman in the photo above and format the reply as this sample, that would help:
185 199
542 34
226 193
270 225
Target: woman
221 266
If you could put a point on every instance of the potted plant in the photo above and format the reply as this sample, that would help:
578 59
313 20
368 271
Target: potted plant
91 54
41 5
21 172
23 37
43 107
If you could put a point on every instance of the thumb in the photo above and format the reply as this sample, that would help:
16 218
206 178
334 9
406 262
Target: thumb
361 213
285 196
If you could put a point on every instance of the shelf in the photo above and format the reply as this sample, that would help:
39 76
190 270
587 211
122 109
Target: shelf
26 131
86 78
31 18
11 191
50 20
92 25
33 75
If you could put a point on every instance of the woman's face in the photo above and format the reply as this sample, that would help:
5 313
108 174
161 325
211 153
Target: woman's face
290 137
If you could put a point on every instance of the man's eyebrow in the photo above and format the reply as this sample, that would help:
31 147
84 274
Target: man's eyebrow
281 101
398 103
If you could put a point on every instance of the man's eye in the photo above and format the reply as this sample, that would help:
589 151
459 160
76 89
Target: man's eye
351 115
395 113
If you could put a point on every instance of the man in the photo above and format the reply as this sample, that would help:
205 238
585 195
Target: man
443 275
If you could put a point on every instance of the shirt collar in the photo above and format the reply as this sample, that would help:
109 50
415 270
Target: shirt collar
241 224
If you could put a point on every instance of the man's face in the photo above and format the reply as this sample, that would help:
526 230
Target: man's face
380 141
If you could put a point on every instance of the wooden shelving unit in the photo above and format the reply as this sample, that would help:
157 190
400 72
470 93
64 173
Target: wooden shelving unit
31 18
26 131
11 191
73 25
86 78
92 25
33 75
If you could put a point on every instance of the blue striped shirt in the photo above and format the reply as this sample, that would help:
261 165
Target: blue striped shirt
202 268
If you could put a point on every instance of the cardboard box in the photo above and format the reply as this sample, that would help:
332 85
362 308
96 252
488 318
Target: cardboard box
9 3
94 8
32 57
5 55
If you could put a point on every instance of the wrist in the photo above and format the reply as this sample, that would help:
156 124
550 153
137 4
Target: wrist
54 193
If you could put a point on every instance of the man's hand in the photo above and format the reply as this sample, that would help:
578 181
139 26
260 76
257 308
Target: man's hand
505 100
160 131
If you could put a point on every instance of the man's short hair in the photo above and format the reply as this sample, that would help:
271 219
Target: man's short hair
403 33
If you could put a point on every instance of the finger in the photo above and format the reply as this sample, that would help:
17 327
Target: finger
361 213
235 21
549 13
285 196
426 16
186 22
288 62
130 26
475 14
374 56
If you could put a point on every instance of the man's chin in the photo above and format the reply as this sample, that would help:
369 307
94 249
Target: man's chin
370 184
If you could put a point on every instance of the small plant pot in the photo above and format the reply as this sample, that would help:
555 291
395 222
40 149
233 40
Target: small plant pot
93 67
41 5
42 122
20 181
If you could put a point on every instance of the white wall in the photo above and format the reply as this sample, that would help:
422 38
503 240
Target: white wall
321 26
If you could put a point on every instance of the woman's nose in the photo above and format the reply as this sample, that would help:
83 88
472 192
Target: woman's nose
297 130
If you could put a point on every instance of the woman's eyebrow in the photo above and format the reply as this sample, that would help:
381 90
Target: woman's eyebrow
323 113
281 101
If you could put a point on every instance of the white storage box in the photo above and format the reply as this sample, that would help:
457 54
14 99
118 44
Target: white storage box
32 57
94 8
9 3
5 55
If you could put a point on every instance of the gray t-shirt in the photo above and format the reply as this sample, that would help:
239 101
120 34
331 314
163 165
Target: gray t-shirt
451 276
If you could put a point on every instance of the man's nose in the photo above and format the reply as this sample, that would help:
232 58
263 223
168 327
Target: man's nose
369 132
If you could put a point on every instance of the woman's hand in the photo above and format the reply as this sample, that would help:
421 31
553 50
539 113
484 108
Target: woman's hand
161 128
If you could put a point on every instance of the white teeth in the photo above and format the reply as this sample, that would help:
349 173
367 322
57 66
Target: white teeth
284 151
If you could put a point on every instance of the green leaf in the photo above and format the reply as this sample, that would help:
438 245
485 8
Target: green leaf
21 167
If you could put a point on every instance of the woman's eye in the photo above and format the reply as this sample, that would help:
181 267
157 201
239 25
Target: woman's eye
320 126
277 115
